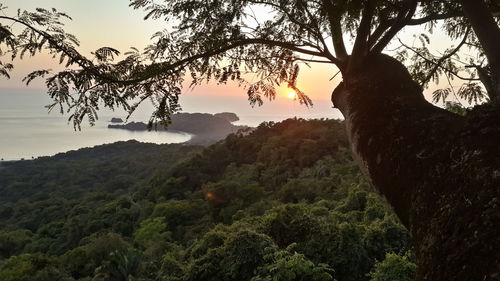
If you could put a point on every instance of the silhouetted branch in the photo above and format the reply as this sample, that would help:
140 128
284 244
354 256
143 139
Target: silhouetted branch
334 18
437 65
445 57
400 22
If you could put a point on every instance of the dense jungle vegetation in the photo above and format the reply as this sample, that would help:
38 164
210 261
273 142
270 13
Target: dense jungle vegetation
285 202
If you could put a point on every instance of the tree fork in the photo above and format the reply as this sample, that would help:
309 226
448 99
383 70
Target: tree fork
440 171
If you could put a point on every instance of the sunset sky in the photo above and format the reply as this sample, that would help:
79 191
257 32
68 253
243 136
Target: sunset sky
112 23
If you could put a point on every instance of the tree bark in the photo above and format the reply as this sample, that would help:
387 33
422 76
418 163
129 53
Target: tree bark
488 33
440 171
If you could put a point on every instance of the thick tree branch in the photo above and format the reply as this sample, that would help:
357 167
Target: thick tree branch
484 26
488 33
334 18
378 32
448 15
360 49
400 22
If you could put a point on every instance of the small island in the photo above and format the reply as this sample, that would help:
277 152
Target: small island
229 116
206 128
116 120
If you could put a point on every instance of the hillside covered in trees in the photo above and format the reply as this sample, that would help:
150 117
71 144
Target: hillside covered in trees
285 202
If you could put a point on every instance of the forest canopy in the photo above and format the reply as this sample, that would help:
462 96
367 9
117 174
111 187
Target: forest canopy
285 202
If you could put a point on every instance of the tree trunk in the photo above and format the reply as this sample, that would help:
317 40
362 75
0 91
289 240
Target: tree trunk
440 171
488 33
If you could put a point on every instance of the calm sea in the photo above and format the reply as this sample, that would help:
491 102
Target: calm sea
28 131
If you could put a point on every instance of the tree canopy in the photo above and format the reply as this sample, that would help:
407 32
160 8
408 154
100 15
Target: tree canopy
285 202
227 40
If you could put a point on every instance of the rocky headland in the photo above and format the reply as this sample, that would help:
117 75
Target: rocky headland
206 128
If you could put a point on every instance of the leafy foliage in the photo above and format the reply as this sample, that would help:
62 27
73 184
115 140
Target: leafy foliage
225 41
121 266
153 229
394 268
456 108
36 267
283 266
223 213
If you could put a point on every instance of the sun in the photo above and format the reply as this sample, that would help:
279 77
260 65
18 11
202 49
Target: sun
292 94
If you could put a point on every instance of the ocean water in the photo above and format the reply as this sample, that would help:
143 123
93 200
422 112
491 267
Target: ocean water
28 131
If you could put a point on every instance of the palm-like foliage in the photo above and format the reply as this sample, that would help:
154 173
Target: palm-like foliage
121 266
